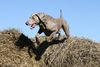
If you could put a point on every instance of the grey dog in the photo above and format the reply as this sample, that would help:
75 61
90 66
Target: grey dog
49 25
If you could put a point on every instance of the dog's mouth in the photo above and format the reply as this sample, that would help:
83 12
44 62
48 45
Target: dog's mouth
32 26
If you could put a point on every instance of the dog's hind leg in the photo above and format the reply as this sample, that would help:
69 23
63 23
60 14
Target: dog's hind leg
66 29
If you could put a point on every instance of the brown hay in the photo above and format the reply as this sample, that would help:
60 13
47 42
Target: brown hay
17 50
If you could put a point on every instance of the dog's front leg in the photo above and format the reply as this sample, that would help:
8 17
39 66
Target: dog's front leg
37 36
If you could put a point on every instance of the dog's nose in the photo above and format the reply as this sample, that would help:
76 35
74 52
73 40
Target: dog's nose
26 23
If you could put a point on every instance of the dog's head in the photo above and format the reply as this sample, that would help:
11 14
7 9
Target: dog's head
34 20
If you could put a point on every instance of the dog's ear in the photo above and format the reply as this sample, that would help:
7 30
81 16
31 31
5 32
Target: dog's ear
44 19
41 21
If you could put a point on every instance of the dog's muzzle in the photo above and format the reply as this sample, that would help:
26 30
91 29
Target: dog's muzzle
32 25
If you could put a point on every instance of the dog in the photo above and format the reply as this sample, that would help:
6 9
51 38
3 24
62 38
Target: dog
49 25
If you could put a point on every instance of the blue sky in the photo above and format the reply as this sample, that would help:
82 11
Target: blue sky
83 16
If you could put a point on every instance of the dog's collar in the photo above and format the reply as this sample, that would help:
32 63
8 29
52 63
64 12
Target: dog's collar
40 21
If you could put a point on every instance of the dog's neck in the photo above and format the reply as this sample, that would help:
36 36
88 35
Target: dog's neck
41 23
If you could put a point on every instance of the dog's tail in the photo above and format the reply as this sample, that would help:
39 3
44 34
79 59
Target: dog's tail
61 14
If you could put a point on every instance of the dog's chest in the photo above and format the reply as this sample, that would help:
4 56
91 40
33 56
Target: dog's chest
46 30
48 26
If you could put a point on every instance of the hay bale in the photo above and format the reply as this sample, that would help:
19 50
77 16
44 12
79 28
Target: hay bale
17 50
